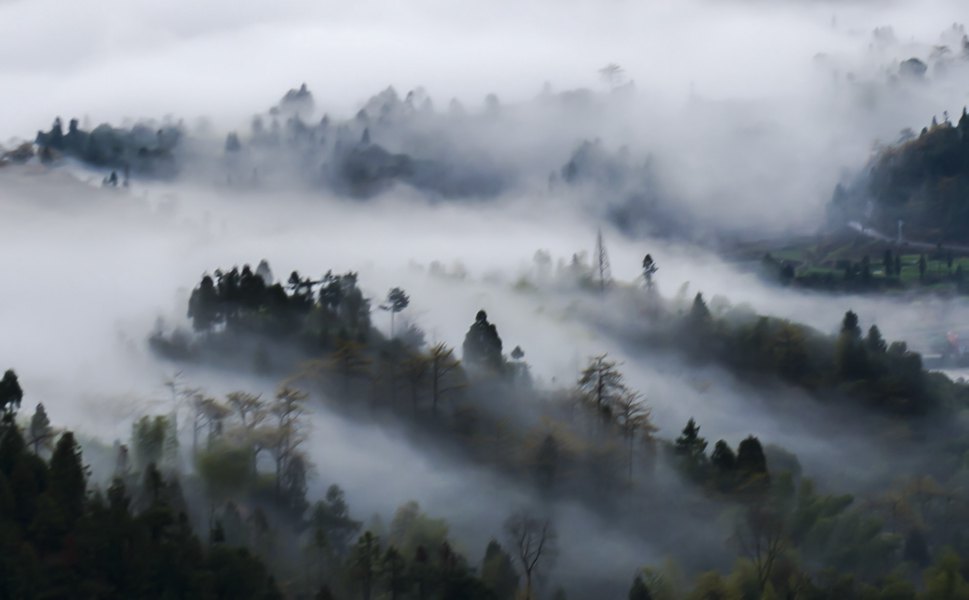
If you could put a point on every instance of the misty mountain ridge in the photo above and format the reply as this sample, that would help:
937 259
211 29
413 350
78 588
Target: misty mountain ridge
407 143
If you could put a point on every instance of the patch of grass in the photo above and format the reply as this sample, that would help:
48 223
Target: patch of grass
814 271
792 254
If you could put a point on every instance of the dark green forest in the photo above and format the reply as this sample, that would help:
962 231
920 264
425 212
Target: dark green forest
923 181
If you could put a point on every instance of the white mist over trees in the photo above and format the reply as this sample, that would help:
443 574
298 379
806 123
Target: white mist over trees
577 293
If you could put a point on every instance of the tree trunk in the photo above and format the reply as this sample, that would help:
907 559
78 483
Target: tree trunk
195 434
630 458
435 389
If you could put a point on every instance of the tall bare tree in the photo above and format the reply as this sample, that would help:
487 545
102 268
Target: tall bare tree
252 412
761 538
532 540
349 361
397 300
415 369
601 386
288 409
443 367
40 432
633 419
209 416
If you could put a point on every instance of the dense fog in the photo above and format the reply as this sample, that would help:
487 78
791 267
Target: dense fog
721 124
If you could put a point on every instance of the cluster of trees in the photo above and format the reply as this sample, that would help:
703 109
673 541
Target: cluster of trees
248 300
235 441
587 443
794 542
415 559
849 365
354 156
594 450
740 472
322 329
287 145
66 537
791 540
636 199
141 149
63 539
385 144
923 181
248 460
615 407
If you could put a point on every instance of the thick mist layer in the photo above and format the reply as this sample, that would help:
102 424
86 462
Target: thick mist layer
750 115
80 326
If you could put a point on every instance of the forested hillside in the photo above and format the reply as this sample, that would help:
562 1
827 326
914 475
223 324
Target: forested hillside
922 181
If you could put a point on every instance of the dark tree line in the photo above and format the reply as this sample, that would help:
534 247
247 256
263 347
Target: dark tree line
743 471
242 301
849 365
141 149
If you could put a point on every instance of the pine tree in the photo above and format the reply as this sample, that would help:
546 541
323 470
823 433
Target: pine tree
699 313
67 478
874 341
11 395
498 571
849 325
750 457
364 562
330 521
601 386
639 591
723 457
393 573
204 306
690 445
850 353
265 272
41 433
888 263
